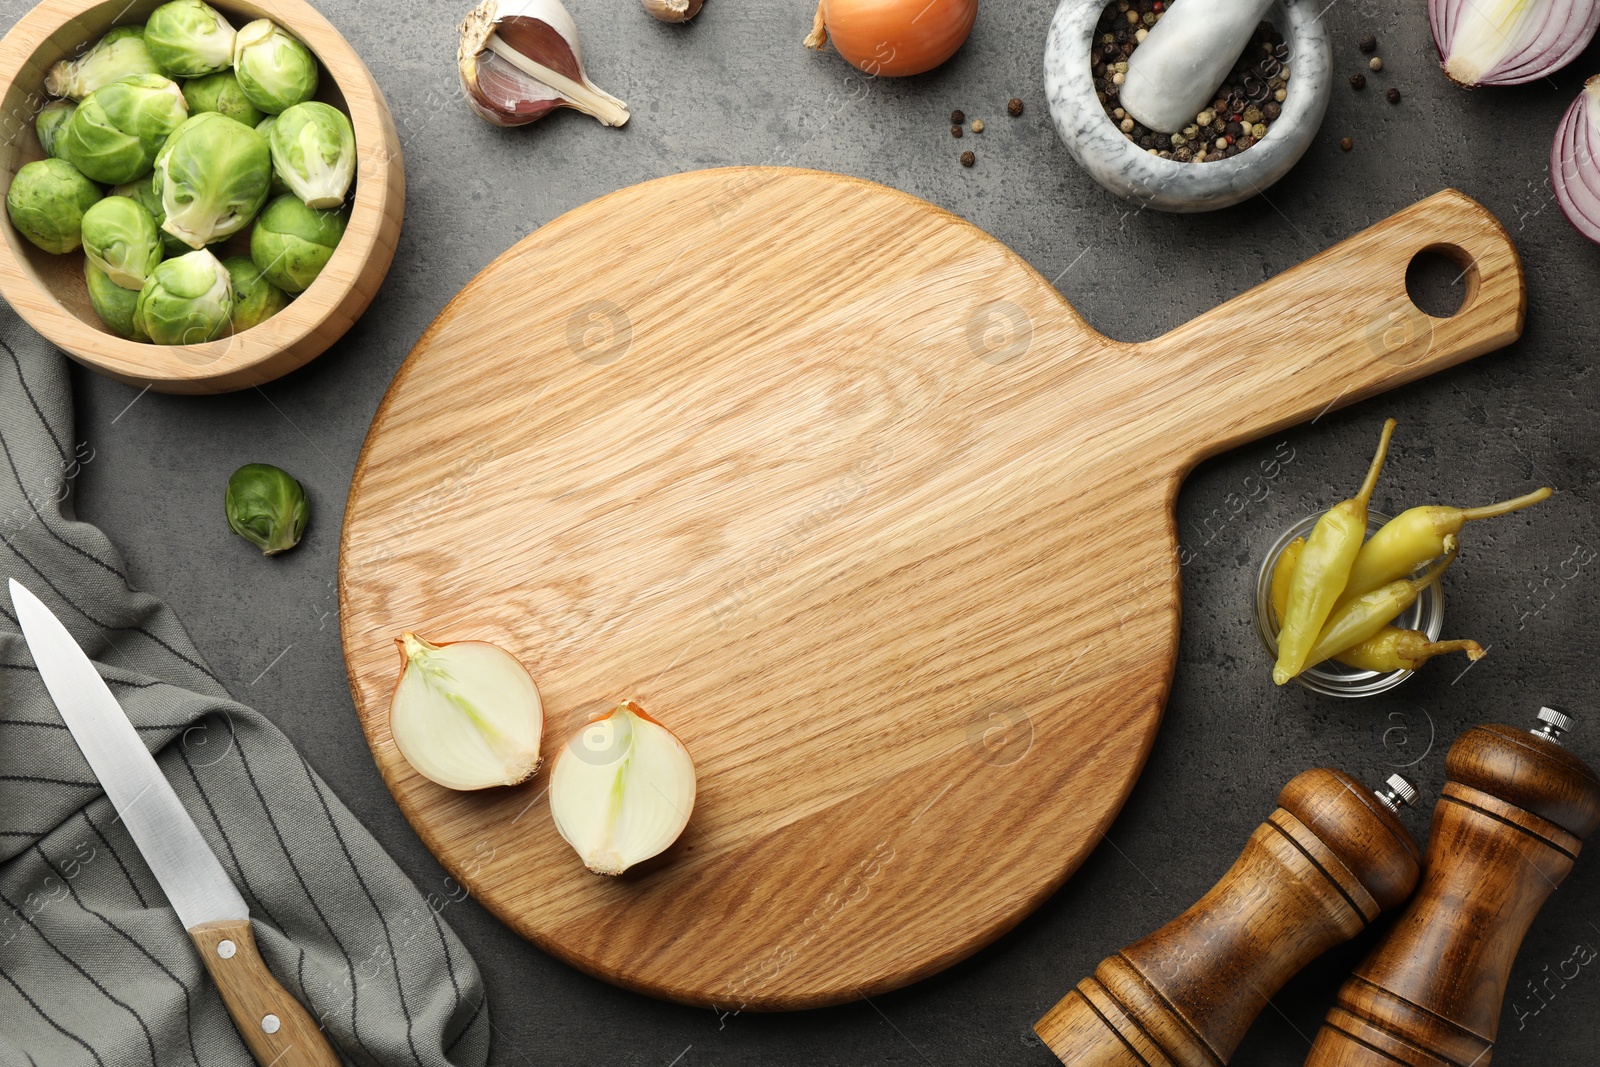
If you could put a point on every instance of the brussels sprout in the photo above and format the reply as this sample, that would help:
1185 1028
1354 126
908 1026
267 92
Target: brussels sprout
121 239
212 177
119 54
255 300
187 301
314 152
266 507
47 201
144 192
275 71
52 118
117 131
220 92
189 38
292 242
113 303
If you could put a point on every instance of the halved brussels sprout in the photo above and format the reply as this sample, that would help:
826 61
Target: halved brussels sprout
187 301
212 177
53 117
292 242
189 38
117 131
220 92
121 239
275 71
47 201
114 304
121 53
314 152
255 299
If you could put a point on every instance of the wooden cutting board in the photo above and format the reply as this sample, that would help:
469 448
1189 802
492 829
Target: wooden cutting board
846 494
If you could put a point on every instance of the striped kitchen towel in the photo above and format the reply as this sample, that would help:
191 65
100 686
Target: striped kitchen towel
95 968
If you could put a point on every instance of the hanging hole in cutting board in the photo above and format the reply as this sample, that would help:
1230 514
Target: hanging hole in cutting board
1439 280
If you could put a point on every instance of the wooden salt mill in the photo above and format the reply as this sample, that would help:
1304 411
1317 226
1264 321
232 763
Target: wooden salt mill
1312 876
1506 831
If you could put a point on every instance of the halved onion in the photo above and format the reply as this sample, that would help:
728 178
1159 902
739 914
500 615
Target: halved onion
1574 167
1509 42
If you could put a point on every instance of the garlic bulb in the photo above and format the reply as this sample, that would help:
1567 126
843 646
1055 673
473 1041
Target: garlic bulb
673 10
466 714
622 790
520 60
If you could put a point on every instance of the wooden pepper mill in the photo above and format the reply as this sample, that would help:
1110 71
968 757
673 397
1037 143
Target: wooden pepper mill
1312 876
1506 831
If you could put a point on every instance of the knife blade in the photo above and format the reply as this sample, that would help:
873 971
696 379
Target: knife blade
278 1031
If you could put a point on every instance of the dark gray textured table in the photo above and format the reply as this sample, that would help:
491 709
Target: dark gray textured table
736 87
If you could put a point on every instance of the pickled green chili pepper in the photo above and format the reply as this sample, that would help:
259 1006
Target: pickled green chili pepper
1323 570
1416 536
1394 649
1282 575
1354 622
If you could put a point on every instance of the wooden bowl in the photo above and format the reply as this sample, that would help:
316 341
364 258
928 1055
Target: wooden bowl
49 292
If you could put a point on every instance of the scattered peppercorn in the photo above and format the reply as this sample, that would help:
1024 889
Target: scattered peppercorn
957 117
1368 44
977 125
1014 108
968 159
1345 144
1358 81
1393 95
1376 62
955 131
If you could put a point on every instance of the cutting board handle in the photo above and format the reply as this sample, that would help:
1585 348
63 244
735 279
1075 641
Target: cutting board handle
1338 328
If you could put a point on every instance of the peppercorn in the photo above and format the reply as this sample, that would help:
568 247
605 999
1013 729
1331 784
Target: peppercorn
957 117
968 159
955 131
1358 81
1376 62
1368 43
1272 111
977 125
1345 144
1233 130
1014 108
1393 95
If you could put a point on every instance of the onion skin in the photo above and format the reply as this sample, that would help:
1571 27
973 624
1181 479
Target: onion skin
1574 167
894 38
1548 35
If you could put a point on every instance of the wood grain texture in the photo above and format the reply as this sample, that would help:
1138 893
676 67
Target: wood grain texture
1314 875
848 496
1506 832
278 1031
48 291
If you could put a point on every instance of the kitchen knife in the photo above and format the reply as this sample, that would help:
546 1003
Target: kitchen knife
278 1031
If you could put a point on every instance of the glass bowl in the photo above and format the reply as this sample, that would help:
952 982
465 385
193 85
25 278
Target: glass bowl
1330 677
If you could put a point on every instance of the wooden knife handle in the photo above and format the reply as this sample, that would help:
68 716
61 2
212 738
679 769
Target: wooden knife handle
279 1032
1315 874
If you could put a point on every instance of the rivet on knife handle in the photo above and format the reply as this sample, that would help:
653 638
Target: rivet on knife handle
278 1031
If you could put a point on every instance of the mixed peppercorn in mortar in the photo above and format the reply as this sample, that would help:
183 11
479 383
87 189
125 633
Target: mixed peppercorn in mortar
1248 103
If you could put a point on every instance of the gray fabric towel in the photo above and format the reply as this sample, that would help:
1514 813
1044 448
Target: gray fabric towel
95 968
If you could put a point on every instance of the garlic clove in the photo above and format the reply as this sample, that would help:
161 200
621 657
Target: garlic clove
466 714
622 790
673 10
521 59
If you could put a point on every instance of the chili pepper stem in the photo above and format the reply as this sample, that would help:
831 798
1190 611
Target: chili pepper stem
1505 507
1371 483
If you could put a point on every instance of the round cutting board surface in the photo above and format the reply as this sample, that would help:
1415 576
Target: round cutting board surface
843 492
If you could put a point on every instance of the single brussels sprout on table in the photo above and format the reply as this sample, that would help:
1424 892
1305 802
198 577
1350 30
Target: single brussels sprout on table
189 38
187 301
53 117
220 92
212 177
117 131
121 53
314 152
266 507
47 202
114 304
275 71
121 239
255 299
291 242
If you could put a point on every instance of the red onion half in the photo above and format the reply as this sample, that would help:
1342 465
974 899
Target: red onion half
1574 165
1509 42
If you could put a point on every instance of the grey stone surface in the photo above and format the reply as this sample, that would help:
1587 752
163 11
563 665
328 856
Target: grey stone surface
736 87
